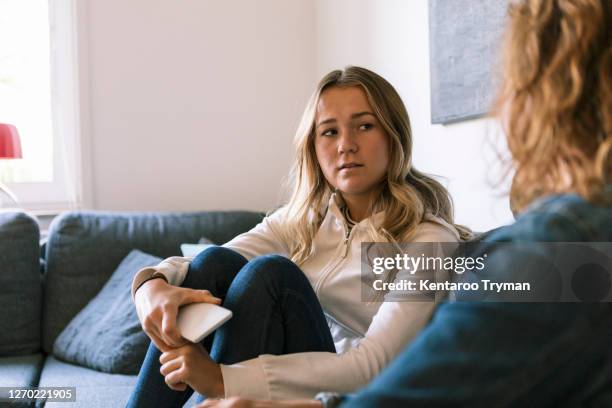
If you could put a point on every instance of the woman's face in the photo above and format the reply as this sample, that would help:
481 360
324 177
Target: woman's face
351 146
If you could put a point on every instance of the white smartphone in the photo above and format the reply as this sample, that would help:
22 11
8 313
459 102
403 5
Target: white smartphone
197 320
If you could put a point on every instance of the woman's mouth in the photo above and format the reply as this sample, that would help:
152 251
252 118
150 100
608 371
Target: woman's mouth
349 166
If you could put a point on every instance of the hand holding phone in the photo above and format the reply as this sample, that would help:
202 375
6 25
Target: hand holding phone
197 320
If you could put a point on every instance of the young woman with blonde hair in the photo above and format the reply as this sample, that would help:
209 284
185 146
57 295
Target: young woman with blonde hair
294 281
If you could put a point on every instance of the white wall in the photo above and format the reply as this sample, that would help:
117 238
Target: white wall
391 37
193 104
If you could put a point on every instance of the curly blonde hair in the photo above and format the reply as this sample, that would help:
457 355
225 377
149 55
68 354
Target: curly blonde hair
405 195
556 99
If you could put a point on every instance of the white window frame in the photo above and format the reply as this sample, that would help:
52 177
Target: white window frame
71 185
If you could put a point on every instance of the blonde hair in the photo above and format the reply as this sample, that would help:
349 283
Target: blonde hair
556 98
405 195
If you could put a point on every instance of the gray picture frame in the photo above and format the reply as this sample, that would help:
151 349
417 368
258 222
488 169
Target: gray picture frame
464 43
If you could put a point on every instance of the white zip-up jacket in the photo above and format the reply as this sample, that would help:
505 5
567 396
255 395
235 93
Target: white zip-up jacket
367 335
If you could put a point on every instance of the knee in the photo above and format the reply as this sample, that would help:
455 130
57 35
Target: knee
214 255
268 277
273 268
272 262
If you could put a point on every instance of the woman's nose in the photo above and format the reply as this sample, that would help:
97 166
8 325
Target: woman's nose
346 143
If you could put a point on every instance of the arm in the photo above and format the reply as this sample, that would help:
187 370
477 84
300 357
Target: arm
264 238
303 375
157 302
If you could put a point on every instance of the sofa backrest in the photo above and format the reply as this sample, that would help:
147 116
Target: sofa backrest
84 248
20 284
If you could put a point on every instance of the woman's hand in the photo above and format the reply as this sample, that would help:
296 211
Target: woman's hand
191 365
157 304
236 402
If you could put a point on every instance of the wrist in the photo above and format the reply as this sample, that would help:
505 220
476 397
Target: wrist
143 276
218 385
155 281
152 283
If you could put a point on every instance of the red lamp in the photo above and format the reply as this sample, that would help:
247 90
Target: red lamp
10 148
10 145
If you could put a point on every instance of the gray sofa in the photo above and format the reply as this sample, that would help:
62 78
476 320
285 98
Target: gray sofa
41 290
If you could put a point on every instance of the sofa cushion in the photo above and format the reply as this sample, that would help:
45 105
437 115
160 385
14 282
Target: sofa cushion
19 371
56 373
84 248
93 388
96 396
191 250
106 335
20 284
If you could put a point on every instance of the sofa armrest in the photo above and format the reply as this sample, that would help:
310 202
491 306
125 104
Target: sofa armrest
20 284
84 248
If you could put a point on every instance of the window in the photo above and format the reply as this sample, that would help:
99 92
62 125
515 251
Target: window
39 95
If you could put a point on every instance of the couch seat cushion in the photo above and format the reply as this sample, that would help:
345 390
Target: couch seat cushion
20 371
93 388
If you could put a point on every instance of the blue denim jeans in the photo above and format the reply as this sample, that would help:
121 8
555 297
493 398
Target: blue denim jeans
275 311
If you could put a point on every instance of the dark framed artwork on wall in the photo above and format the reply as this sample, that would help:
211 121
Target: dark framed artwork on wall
464 43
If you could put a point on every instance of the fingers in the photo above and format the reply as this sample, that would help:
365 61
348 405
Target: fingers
183 352
170 366
151 330
165 357
171 369
150 317
158 313
179 387
171 354
160 326
174 379
169 332
159 343
196 295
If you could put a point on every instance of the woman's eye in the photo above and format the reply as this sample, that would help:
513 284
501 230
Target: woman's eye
328 132
366 126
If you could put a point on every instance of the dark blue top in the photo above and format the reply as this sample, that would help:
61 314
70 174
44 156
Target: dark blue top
493 354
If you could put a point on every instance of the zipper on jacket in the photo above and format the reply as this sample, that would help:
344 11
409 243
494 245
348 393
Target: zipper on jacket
345 244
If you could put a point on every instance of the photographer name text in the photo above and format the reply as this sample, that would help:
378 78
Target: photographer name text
428 285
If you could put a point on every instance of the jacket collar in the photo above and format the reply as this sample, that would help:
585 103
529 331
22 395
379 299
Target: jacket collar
336 202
